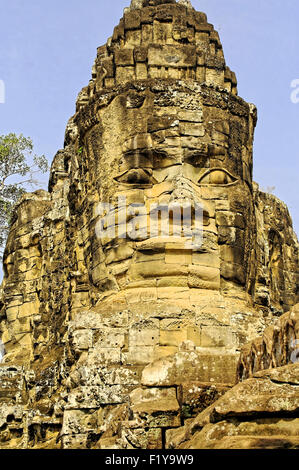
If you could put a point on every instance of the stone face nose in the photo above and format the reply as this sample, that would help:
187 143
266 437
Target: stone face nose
184 196
182 189
137 4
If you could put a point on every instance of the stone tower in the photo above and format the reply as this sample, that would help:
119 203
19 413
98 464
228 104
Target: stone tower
116 336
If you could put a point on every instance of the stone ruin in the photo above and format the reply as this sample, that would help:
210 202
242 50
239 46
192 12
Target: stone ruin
121 343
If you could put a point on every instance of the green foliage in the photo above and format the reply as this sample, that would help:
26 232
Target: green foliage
186 411
18 165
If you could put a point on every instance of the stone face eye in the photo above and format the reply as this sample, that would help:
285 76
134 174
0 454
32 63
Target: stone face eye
136 176
217 176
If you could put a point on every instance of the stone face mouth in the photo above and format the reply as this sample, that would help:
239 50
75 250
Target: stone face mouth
160 244
166 257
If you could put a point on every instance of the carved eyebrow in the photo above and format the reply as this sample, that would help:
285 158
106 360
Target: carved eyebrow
196 159
161 159
154 158
137 159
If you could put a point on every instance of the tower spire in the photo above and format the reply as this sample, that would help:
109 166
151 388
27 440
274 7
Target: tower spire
138 4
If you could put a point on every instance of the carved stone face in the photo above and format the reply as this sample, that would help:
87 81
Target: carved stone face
165 146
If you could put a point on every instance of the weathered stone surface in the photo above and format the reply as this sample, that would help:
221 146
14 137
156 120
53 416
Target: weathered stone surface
278 346
113 337
186 366
155 407
194 397
261 412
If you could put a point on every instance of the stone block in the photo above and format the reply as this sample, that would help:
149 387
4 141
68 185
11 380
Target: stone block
79 422
164 351
133 38
77 441
147 34
155 408
29 309
141 71
230 219
172 56
132 20
193 129
141 438
217 337
178 257
82 340
112 338
195 397
108 65
144 334
140 54
172 338
124 57
104 356
138 355
191 366
190 116
92 397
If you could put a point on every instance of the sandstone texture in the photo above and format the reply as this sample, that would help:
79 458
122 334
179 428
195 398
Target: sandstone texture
278 346
262 410
259 413
115 338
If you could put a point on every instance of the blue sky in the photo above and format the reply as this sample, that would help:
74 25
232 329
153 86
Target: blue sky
47 50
